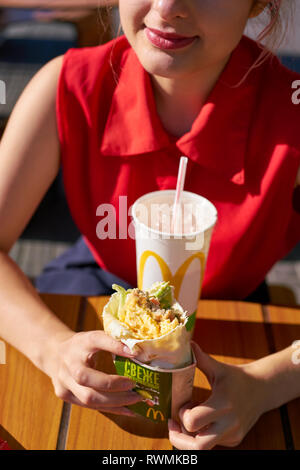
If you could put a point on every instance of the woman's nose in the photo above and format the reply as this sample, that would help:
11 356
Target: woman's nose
170 9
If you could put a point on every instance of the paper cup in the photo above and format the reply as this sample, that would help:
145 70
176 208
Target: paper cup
178 258
165 391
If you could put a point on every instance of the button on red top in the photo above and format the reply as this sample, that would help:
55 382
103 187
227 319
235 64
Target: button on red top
243 150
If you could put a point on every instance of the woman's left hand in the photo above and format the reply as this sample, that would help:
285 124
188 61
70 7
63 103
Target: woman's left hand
235 404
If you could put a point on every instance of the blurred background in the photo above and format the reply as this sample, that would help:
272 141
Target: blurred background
32 32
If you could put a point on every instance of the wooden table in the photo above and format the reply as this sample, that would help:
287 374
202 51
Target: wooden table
32 417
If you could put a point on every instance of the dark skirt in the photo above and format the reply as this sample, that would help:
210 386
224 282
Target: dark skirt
76 272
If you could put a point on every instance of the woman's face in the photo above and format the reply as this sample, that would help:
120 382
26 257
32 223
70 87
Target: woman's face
209 30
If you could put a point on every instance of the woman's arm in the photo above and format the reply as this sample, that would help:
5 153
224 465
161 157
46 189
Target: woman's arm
280 374
29 162
240 395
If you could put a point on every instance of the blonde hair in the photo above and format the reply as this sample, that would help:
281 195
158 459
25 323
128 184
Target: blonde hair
273 23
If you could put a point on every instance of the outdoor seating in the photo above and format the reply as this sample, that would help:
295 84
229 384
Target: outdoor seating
65 267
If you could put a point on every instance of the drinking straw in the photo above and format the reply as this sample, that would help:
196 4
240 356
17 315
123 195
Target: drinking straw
179 189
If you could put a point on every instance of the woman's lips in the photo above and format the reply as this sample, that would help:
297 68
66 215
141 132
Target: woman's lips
168 40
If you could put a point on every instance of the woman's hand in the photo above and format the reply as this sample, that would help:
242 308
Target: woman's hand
235 404
70 365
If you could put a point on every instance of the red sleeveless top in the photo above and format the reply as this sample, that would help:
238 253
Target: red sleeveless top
243 150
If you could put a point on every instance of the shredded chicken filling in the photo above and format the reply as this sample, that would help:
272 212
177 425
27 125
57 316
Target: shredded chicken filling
144 316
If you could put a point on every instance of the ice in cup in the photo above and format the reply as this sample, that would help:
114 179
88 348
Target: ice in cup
173 252
152 323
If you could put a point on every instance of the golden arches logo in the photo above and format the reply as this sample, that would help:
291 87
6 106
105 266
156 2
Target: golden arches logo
178 277
155 414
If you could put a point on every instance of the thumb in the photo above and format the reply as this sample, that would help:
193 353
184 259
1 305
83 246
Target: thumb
209 366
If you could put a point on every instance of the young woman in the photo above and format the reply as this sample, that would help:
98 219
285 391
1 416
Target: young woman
117 118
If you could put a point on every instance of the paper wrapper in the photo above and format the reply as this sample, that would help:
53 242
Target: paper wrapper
164 391
170 351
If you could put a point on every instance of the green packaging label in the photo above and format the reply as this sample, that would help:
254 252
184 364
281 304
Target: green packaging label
154 386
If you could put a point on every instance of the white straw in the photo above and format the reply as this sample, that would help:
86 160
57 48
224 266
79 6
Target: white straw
179 189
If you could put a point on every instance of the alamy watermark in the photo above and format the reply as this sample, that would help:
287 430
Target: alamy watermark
296 353
296 94
156 221
2 92
2 353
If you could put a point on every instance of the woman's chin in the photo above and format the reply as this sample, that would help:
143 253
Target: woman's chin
162 64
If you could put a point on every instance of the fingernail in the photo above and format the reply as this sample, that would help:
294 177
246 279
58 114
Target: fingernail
172 425
128 351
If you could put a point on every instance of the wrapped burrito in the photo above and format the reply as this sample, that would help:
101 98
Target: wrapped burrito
152 322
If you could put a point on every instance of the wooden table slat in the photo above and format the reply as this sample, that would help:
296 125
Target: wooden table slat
285 326
30 413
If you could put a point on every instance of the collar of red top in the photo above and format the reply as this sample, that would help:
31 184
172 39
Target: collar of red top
219 135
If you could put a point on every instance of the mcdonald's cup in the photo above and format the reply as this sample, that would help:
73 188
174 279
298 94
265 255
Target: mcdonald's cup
173 246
